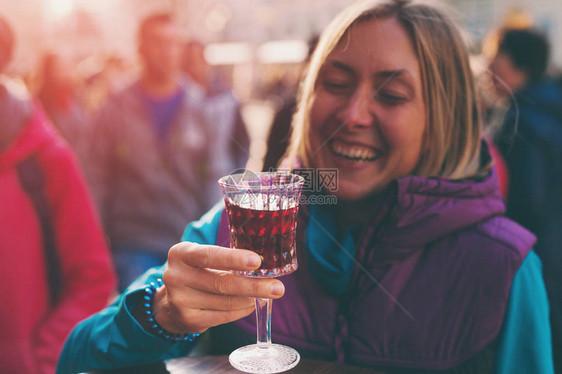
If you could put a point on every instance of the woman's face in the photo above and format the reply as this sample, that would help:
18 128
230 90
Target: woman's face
368 116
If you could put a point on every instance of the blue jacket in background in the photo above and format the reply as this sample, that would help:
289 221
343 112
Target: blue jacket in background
531 143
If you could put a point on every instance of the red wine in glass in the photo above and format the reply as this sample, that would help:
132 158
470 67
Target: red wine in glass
269 233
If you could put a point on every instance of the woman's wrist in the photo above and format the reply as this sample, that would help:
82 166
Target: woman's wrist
146 314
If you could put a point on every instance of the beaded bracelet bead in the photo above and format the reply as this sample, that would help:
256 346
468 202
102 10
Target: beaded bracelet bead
151 323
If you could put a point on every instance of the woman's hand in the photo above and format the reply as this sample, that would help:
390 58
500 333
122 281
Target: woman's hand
200 291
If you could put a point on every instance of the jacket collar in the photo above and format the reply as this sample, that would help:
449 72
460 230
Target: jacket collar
416 211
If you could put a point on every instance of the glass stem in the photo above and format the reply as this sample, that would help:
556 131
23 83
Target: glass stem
263 320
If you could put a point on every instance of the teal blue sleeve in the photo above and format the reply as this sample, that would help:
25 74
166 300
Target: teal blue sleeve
206 229
525 341
113 338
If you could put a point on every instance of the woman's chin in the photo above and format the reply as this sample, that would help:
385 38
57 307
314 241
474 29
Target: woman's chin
349 190
352 192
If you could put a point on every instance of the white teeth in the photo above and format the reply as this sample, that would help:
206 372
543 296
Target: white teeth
363 153
358 153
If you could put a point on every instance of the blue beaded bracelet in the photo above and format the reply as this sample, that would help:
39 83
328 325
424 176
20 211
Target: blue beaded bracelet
151 323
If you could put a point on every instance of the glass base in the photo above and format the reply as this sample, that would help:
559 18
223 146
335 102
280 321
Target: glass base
273 359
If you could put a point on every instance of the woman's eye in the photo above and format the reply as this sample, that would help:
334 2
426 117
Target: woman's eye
336 86
390 99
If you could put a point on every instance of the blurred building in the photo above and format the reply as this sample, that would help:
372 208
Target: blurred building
85 27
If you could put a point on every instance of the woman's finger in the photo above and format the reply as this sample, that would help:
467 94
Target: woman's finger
213 256
226 283
196 299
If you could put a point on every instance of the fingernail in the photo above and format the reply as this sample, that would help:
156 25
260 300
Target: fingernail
277 289
253 261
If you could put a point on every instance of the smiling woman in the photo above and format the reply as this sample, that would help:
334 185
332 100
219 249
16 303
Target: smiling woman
368 114
413 270
394 78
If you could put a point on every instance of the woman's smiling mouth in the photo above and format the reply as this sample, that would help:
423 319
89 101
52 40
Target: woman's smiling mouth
357 153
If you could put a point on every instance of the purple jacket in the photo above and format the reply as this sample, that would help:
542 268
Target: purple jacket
430 287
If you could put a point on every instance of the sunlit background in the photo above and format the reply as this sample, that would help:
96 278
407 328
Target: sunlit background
249 41
248 31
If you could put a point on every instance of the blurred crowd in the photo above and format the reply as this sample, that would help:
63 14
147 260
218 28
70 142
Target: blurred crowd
101 173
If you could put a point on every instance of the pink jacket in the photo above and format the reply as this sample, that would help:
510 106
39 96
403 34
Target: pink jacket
32 332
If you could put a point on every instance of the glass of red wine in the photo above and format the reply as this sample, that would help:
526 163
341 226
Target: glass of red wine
262 216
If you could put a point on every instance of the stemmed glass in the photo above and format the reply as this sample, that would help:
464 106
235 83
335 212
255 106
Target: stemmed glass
262 216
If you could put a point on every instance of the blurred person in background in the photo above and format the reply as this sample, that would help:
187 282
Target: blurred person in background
150 156
530 140
230 143
56 268
515 18
104 76
58 93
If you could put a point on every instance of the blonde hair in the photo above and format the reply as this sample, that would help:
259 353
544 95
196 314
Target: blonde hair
452 138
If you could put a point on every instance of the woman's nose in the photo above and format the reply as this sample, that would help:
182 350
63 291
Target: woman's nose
356 113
